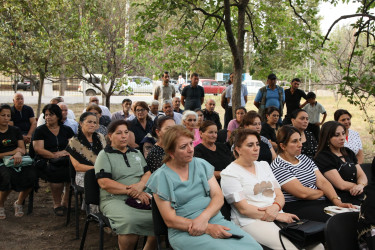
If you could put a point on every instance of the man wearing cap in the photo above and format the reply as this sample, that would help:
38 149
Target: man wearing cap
270 95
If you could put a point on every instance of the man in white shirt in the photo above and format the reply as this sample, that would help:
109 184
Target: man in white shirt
105 110
165 91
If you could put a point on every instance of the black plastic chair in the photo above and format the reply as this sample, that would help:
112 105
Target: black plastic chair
367 168
341 232
160 228
92 198
78 192
222 135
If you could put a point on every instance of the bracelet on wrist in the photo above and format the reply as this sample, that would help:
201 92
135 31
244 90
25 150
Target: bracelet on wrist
361 184
277 205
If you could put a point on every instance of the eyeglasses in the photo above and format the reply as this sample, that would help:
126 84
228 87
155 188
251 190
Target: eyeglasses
139 110
191 120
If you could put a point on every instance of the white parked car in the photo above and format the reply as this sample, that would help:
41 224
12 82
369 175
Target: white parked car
253 86
140 84
91 90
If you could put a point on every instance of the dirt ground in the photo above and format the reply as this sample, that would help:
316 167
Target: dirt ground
43 230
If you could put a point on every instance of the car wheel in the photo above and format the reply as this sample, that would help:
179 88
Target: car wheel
90 92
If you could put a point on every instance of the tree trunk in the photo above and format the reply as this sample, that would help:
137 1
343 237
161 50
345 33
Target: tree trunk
40 92
237 49
62 86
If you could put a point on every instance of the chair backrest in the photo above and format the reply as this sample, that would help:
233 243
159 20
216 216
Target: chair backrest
160 228
226 210
341 231
222 135
92 194
367 168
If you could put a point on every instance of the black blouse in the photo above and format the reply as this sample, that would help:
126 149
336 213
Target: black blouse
220 158
155 157
326 161
310 146
269 132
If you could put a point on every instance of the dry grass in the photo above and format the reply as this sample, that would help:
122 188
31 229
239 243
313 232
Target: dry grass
329 103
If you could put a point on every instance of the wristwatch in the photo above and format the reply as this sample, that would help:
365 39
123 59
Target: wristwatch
336 197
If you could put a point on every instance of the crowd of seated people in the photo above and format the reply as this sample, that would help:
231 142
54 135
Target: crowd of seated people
265 172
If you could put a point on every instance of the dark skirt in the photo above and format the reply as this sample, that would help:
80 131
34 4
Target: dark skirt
17 181
308 209
53 170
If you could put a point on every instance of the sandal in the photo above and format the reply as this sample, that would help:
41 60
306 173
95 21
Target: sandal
59 211
2 213
18 209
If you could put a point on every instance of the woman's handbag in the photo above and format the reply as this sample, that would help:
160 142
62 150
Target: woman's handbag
135 203
26 161
302 233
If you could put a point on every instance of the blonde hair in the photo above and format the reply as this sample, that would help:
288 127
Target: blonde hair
170 139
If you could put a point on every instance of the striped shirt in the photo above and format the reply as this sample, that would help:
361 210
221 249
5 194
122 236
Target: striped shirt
304 171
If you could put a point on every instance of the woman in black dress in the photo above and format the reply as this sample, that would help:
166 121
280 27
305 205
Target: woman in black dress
270 127
339 164
49 143
300 120
18 179
217 154
155 156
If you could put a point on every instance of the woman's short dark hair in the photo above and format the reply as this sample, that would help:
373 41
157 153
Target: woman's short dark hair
5 106
296 112
159 124
53 109
271 109
142 104
94 106
249 118
197 110
113 125
326 133
340 112
243 108
84 115
240 137
205 125
283 136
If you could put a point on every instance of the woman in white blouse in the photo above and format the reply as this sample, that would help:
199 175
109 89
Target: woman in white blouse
352 140
254 194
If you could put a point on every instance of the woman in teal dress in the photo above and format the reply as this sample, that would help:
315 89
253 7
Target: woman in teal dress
189 199
122 173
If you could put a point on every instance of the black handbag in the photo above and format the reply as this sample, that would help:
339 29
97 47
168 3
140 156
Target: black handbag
301 233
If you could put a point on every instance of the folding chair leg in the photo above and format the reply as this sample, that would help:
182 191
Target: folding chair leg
101 226
30 206
158 241
76 214
69 206
84 234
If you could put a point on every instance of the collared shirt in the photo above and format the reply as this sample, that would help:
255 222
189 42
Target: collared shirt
72 124
212 116
228 94
177 117
314 112
179 111
164 93
272 98
21 119
120 115
292 101
192 96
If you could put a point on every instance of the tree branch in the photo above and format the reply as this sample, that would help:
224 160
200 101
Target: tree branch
300 17
249 14
209 41
346 17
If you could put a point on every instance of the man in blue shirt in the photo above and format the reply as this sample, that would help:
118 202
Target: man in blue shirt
270 95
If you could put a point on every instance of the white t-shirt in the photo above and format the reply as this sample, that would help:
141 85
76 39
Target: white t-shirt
257 189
